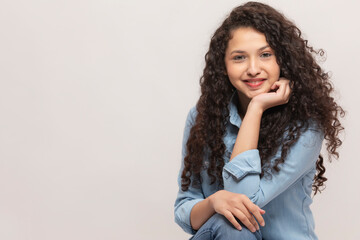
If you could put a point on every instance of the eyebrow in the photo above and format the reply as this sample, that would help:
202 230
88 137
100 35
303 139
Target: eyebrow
240 51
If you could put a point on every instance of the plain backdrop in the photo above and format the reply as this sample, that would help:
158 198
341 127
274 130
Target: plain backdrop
93 101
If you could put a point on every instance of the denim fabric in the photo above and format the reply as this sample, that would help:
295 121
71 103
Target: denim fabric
219 228
286 196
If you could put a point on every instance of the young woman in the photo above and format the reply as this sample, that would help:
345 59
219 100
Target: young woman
251 146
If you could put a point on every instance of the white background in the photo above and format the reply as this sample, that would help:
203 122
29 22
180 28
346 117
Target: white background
93 101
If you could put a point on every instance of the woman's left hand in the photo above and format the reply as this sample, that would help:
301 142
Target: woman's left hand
278 95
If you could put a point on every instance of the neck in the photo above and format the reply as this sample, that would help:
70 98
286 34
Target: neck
243 104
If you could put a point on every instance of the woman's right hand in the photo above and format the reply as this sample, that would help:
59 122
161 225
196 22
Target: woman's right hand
233 205
279 94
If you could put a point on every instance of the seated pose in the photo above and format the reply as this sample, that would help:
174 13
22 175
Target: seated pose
251 146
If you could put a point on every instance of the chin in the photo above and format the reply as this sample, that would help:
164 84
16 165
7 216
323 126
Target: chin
254 94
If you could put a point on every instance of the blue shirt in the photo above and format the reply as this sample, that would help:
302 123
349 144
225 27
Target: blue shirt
286 196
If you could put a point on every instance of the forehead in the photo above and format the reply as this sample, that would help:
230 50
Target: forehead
246 37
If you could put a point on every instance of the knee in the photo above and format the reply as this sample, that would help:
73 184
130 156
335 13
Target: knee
223 229
220 222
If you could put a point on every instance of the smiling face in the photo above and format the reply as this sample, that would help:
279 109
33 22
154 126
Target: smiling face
250 63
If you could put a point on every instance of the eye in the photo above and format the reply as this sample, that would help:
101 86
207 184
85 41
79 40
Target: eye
239 57
266 55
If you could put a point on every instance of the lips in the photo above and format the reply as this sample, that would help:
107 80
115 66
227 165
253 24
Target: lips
254 82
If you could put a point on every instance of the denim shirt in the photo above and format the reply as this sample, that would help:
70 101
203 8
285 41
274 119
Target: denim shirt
286 196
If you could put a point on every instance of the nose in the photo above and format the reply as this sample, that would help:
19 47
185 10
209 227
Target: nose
253 68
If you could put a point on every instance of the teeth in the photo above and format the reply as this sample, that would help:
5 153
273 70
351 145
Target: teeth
254 82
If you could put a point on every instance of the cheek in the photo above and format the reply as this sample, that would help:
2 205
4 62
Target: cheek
275 70
234 71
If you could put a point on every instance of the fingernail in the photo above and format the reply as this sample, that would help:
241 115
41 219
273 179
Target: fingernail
257 227
239 228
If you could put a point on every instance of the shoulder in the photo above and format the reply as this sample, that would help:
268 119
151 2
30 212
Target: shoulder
191 116
312 127
193 111
311 134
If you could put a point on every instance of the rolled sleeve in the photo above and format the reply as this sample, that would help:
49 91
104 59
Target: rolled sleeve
245 169
182 214
247 162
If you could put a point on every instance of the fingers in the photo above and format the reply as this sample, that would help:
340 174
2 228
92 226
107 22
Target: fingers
258 216
238 208
229 216
254 209
262 211
246 218
274 86
283 89
289 90
292 85
287 93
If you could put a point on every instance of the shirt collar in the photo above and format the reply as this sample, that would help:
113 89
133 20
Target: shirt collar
233 111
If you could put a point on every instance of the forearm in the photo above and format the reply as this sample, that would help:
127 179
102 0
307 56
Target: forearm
200 213
248 135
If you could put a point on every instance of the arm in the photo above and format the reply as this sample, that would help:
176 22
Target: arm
242 173
192 209
230 205
185 201
248 135
200 213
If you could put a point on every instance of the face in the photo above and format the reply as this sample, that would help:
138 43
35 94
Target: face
250 63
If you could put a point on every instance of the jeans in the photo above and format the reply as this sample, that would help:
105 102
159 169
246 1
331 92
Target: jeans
219 228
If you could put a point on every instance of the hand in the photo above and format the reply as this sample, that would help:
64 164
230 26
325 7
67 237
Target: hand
233 205
279 94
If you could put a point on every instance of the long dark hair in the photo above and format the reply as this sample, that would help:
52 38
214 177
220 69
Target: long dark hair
310 98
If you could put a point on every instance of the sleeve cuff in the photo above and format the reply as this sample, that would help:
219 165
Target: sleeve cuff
182 216
245 163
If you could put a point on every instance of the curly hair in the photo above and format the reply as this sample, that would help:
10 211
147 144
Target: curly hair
310 99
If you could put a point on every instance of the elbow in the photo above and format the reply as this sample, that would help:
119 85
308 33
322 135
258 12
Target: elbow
249 186
187 228
257 198
194 227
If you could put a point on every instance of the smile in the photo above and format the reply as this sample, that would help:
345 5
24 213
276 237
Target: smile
254 83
